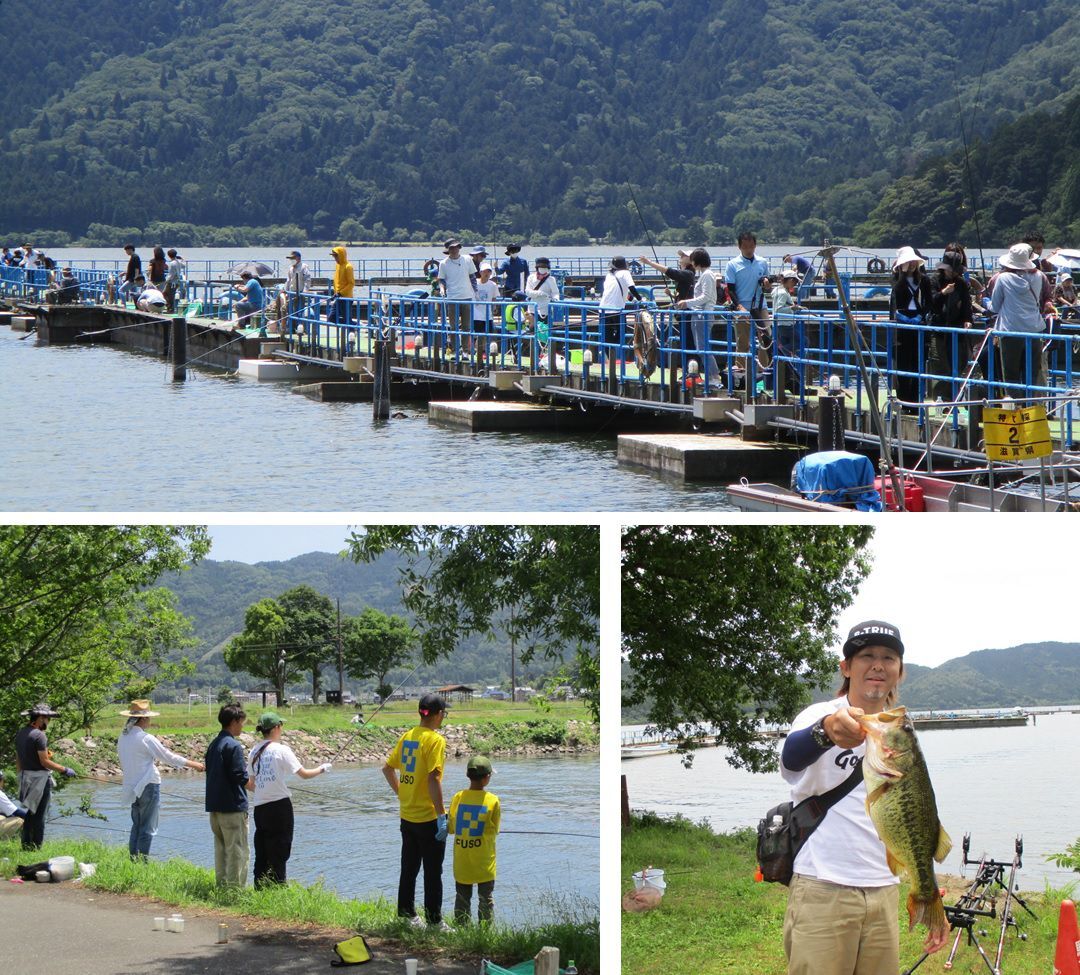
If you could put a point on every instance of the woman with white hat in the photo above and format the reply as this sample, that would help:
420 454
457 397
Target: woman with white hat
909 304
138 751
1020 295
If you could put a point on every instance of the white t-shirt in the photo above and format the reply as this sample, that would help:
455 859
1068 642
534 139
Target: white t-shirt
275 761
486 293
616 286
456 275
845 848
152 297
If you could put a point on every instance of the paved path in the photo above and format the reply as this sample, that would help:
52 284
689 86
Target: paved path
71 929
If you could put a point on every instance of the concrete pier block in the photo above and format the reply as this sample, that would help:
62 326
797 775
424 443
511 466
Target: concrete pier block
536 384
504 417
276 370
505 378
22 323
5 317
267 349
359 364
707 456
715 409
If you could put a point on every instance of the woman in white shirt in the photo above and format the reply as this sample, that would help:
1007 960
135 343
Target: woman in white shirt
269 762
138 752
704 301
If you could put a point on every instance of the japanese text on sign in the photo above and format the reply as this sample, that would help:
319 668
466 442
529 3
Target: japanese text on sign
1013 435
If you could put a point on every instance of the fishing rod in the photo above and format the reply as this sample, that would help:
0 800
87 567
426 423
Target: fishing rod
386 700
648 236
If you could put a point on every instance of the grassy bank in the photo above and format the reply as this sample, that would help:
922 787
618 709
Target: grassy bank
182 883
715 918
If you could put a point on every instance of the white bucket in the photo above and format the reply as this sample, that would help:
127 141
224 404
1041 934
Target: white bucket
650 878
62 868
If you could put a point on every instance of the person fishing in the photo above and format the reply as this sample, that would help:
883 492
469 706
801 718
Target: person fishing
910 303
950 300
139 751
842 910
269 763
413 771
747 280
475 814
226 798
33 760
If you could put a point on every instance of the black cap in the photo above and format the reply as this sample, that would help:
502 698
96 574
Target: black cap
873 633
512 249
619 264
431 704
543 262
953 260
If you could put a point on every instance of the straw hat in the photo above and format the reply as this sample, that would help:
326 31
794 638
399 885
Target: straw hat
1017 258
905 255
139 709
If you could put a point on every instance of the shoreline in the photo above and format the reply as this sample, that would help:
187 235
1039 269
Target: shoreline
97 754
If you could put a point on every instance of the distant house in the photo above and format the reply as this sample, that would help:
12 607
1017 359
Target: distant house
494 693
457 692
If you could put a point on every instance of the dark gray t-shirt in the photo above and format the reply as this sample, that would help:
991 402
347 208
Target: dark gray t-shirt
28 742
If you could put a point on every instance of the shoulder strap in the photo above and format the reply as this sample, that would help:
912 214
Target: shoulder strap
817 806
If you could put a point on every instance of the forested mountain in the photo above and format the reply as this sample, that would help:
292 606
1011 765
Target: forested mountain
1030 675
215 595
404 120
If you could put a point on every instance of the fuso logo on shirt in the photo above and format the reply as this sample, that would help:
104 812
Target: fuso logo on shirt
409 750
469 821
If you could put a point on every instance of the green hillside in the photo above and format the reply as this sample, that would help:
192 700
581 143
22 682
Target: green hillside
403 120
215 595
1029 675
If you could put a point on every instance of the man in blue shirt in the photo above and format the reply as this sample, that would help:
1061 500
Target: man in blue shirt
253 301
513 271
747 278
226 798
806 273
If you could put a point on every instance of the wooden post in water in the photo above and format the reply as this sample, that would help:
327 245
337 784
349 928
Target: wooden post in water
380 399
178 348
546 961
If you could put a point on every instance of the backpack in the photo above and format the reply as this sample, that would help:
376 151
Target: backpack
787 827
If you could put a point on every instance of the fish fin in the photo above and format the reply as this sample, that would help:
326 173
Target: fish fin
931 913
944 845
872 797
896 866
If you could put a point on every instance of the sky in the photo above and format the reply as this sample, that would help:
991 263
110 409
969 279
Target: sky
958 583
274 543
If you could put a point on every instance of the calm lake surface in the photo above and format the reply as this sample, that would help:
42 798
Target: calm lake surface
993 783
347 833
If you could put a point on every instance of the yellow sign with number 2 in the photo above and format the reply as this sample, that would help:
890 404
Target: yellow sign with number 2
1017 434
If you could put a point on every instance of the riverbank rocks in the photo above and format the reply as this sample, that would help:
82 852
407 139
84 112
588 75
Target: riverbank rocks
356 746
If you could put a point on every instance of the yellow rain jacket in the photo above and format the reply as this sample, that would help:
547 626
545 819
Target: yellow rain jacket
344 279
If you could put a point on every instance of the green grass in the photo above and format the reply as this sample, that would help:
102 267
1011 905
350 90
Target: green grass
178 718
714 918
576 934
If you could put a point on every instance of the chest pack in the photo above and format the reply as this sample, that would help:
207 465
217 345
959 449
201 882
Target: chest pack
787 827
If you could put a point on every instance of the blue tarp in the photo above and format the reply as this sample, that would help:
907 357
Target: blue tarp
838 477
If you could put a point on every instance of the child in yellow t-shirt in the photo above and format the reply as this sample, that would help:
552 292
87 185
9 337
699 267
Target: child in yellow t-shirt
414 771
474 821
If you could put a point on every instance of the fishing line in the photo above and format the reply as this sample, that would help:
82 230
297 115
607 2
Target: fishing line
648 236
363 724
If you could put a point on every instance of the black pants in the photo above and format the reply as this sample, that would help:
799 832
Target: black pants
419 847
273 841
33 831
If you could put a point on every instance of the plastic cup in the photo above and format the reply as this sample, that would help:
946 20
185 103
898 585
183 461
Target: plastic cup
159 924
178 925
410 966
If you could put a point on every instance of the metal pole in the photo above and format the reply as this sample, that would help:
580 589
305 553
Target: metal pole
340 657
178 348
829 253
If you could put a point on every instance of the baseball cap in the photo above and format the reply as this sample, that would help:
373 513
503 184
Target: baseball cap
478 767
293 254
432 704
268 720
873 633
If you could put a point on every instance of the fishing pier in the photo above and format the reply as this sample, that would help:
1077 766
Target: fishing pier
732 403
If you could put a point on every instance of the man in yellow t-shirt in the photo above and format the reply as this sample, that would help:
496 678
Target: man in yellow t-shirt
474 821
414 771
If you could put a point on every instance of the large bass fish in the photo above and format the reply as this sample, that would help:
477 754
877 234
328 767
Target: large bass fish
900 801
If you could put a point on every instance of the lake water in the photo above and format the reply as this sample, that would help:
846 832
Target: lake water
347 833
98 428
993 783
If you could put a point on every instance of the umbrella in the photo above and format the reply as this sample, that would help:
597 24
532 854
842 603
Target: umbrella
255 268
1065 258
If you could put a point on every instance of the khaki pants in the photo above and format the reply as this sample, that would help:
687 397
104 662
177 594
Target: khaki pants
230 848
763 329
10 826
835 930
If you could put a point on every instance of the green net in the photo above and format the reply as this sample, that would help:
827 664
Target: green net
521 968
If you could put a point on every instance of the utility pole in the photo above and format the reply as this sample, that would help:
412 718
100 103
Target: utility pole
340 658
513 654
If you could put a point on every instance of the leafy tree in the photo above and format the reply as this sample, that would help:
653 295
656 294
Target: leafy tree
310 630
466 579
374 644
79 618
726 626
261 650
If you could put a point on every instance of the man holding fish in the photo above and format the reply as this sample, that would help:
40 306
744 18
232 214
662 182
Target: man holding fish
842 913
